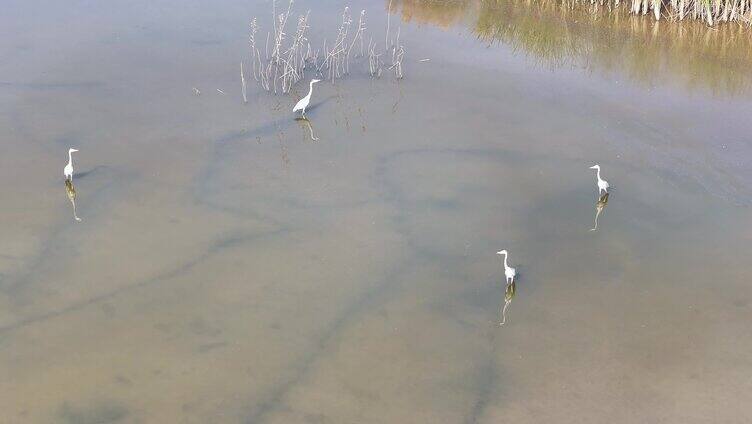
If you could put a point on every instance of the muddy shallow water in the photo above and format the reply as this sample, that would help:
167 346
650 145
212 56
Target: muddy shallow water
228 268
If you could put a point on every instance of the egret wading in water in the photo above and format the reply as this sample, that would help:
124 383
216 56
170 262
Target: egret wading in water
509 273
303 103
71 191
68 170
602 184
599 206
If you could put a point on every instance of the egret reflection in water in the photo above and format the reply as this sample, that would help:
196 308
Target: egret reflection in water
304 121
71 191
598 38
508 295
599 206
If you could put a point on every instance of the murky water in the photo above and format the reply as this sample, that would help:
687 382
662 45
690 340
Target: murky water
228 268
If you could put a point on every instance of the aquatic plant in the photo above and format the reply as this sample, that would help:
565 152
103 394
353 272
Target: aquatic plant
290 57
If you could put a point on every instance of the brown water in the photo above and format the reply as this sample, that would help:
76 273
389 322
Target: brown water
227 268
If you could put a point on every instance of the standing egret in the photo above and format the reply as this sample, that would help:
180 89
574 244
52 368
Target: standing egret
303 103
599 206
509 272
602 184
68 170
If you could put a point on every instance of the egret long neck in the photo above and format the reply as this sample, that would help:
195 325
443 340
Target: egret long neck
598 173
505 261
310 89
70 157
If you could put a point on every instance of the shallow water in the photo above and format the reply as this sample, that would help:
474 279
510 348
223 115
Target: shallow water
227 268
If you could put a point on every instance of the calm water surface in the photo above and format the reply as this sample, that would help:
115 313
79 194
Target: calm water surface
227 268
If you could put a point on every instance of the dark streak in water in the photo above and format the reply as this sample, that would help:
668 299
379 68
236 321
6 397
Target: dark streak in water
52 244
206 42
96 170
486 380
100 412
211 346
216 248
374 296
206 180
52 85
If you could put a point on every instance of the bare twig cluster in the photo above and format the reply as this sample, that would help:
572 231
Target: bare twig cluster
376 61
285 59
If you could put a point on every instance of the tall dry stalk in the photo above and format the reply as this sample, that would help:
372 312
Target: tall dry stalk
242 83
287 58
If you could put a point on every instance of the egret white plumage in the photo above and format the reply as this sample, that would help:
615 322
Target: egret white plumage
303 103
602 184
68 170
509 272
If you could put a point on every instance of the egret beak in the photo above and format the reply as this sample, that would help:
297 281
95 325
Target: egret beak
501 252
594 167
315 80
73 150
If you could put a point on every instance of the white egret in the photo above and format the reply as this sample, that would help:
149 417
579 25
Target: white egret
602 184
68 170
509 272
303 103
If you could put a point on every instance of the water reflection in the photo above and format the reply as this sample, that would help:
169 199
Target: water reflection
599 39
305 122
599 206
71 191
508 295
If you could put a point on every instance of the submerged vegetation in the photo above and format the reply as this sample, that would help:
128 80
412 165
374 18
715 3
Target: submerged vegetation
287 57
593 36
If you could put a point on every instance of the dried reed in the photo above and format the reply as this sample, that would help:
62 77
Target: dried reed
287 59
709 11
